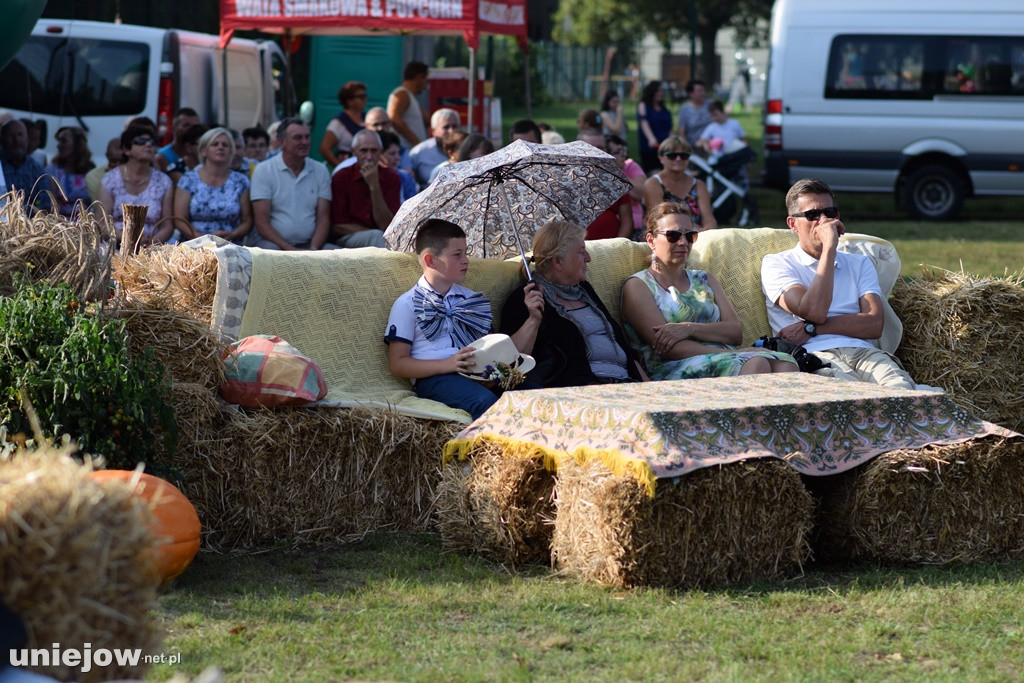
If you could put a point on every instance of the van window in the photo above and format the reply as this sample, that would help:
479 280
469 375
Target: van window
987 66
102 77
921 67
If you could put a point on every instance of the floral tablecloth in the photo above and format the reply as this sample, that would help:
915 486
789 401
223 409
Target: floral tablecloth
657 430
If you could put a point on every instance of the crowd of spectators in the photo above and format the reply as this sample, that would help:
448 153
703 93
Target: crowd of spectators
259 187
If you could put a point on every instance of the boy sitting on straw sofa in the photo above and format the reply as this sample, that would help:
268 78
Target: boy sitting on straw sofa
432 326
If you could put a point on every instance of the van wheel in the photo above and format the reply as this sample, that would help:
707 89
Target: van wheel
933 193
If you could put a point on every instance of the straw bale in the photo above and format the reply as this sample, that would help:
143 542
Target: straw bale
498 506
711 527
965 333
315 474
201 421
49 247
172 278
73 561
187 348
958 503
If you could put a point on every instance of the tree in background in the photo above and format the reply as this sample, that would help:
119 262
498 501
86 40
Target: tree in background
623 22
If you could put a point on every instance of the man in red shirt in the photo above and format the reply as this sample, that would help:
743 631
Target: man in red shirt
364 196
616 220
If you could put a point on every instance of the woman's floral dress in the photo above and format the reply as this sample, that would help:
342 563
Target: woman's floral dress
695 305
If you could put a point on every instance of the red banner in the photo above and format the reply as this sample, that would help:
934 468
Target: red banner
470 18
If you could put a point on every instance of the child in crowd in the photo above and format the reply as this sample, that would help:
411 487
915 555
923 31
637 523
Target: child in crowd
432 325
723 135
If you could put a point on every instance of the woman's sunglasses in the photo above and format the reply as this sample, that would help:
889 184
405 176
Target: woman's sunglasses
676 155
143 140
674 236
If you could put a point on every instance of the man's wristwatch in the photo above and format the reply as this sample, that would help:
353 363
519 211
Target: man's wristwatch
811 329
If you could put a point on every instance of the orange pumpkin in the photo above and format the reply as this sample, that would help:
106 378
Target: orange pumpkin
175 523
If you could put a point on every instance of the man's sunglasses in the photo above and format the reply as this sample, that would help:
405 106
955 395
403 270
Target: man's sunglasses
674 236
676 155
814 214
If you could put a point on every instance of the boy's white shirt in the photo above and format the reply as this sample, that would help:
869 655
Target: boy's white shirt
405 327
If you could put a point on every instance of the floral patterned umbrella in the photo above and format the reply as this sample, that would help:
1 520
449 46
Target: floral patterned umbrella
502 199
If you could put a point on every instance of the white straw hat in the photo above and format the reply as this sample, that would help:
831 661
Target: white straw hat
496 358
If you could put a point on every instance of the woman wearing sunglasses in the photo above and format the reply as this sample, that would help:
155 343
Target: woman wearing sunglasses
673 184
136 182
680 321
336 145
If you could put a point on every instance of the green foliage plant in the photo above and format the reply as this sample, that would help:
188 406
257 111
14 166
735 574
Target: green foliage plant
74 368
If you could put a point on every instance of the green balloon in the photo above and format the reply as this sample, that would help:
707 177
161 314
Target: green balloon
19 18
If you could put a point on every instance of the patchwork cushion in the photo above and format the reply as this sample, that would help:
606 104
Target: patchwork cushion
265 370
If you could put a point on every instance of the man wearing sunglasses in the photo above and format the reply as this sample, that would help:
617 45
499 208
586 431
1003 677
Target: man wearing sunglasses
828 301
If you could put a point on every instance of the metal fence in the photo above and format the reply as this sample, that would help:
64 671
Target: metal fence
571 73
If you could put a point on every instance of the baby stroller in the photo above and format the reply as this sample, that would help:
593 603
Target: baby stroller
729 186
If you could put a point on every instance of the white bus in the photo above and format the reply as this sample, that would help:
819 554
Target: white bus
922 98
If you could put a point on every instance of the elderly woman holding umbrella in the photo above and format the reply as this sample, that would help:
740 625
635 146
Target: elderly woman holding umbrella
577 341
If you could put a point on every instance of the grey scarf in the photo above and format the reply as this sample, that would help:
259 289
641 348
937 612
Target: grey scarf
572 293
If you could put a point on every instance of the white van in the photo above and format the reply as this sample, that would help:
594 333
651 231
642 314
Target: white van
98 75
923 98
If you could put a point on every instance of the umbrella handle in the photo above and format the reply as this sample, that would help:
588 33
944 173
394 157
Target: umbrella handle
519 243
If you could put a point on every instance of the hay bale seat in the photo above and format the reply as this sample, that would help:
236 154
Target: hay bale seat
698 482
241 489
966 334
713 527
940 504
73 563
262 476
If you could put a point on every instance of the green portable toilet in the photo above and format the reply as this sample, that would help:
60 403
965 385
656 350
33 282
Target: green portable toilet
335 60
19 18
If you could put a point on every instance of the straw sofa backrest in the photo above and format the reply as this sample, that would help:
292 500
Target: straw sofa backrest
733 255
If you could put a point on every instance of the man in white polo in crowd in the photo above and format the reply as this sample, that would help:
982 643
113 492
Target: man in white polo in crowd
291 194
428 154
828 301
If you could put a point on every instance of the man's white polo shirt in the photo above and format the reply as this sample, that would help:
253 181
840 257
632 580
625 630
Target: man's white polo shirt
855 277
293 198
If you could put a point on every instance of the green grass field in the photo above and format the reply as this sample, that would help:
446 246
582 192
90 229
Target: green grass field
397 607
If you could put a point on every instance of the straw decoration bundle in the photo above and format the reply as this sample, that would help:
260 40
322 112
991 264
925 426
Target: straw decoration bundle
73 563
134 226
47 246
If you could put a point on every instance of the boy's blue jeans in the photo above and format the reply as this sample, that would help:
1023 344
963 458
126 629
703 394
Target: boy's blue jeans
461 392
